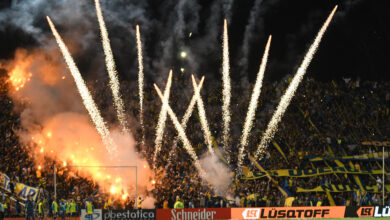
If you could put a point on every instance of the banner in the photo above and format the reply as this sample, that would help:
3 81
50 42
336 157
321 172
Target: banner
133 214
343 188
362 157
194 214
22 190
289 212
306 172
284 191
376 143
368 211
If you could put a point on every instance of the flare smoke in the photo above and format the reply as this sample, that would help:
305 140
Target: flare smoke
84 92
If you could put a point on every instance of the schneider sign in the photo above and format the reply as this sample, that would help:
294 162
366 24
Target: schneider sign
193 214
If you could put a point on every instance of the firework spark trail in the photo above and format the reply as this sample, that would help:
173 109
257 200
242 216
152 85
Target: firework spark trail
186 143
140 83
286 98
253 103
226 87
162 118
202 116
111 69
185 119
88 101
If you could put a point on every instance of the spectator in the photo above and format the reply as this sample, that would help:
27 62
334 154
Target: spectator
178 204
73 208
1 209
62 209
29 209
327 119
89 209
54 208
139 203
40 210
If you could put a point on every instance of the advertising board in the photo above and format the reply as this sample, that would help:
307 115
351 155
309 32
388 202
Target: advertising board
97 215
368 211
133 214
194 214
288 212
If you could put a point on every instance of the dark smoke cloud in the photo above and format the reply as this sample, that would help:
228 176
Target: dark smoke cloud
78 25
207 49
183 20
308 29
165 28
227 9
248 35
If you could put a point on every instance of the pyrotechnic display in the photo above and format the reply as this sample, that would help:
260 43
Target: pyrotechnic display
169 110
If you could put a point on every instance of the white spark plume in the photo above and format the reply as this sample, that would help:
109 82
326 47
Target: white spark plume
162 118
88 101
226 87
202 116
186 143
185 119
111 69
140 83
286 98
250 115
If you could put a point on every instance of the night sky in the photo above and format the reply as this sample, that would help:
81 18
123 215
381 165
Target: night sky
356 43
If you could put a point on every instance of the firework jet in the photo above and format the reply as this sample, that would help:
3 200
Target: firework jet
202 116
226 87
88 101
286 98
186 117
250 116
111 69
186 143
140 83
162 118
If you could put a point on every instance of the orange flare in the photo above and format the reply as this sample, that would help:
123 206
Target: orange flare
19 76
113 190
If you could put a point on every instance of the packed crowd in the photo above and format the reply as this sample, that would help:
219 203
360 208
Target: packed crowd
329 119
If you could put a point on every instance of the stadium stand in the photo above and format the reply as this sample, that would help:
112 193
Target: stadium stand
325 120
